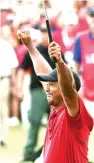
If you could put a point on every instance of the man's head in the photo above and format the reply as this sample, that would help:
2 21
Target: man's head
90 18
52 90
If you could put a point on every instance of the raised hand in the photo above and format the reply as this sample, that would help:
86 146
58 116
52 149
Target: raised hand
24 36
55 51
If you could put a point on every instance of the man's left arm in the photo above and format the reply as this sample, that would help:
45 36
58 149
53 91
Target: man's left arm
66 81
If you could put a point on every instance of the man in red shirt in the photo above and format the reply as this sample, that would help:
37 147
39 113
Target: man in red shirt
69 124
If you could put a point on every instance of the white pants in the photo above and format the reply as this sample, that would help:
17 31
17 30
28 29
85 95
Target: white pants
4 96
26 103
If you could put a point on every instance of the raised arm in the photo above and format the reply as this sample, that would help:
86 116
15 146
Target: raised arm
66 81
41 66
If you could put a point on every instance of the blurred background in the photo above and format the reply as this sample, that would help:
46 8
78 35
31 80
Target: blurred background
23 118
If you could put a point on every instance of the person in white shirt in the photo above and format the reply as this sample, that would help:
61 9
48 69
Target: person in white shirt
8 62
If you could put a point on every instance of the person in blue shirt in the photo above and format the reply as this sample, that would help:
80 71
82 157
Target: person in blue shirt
84 63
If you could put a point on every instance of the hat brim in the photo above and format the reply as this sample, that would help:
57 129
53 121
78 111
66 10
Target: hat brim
46 78
52 77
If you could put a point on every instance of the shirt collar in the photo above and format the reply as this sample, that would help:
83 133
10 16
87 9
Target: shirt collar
56 112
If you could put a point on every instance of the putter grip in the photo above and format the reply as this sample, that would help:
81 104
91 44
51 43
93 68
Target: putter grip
50 36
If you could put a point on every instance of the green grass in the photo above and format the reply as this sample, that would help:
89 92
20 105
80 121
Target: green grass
17 140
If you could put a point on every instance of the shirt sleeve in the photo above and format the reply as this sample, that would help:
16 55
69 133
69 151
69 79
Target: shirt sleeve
77 50
83 120
26 62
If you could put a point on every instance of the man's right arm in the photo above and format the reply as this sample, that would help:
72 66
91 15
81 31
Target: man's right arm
41 66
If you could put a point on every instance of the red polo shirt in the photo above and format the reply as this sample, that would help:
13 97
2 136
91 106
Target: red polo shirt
67 138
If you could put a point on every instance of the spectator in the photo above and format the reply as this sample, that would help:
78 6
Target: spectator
83 57
84 63
66 33
8 63
15 102
80 7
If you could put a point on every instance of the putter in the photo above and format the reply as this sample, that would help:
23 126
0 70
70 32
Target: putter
48 27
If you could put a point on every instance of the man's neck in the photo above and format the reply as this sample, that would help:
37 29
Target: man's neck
59 106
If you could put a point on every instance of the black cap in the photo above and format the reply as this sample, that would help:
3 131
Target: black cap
90 11
52 77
